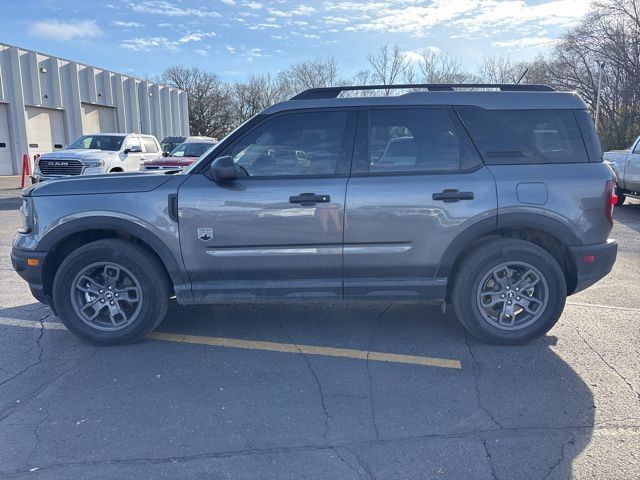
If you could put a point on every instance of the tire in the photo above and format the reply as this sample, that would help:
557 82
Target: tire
90 279
621 198
492 273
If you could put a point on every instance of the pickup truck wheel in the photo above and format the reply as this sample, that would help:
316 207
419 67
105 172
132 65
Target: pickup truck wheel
111 292
509 291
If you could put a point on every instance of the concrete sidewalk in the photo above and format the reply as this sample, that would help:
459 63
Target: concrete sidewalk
10 184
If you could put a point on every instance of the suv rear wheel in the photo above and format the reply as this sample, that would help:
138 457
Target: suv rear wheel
111 292
509 291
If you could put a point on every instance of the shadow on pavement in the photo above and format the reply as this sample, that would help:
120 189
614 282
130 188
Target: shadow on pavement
9 203
628 214
510 412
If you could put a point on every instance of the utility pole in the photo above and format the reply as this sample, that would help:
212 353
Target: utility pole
601 66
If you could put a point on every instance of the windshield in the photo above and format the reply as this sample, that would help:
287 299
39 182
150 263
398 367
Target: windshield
190 149
111 143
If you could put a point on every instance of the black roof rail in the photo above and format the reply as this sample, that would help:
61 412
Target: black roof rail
333 92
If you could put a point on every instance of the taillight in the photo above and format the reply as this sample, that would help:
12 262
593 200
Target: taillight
610 199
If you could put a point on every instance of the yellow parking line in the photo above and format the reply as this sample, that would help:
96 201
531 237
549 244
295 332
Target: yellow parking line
307 349
267 346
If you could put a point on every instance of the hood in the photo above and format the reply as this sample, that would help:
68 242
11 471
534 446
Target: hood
78 154
167 161
98 184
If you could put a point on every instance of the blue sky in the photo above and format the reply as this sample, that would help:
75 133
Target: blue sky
235 38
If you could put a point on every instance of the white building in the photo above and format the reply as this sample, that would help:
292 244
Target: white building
46 102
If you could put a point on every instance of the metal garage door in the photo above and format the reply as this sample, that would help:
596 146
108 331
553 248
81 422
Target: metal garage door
45 130
98 119
6 164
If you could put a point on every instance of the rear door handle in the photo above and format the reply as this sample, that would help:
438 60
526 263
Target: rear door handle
309 199
452 195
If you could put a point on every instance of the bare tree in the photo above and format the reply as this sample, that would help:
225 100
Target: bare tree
387 65
209 99
500 69
321 72
608 38
437 67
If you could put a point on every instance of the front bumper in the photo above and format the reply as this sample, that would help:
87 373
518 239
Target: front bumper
589 272
32 274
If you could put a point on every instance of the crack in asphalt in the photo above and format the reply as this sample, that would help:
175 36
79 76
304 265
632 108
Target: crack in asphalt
351 467
40 352
363 465
10 411
614 369
36 433
525 431
571 441
492 469
476 382
327 416
370 344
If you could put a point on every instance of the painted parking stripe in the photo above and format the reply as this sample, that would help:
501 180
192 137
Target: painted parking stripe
307 350
268 346
607 307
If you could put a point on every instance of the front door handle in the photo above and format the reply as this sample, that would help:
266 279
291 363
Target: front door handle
452 195
309 199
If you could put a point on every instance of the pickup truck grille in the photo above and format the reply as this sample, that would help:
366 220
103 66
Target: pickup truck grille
60 167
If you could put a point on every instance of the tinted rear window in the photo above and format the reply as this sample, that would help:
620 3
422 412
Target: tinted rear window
417 140
525 136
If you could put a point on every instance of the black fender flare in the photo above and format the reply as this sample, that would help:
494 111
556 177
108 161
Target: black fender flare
177 273
530 221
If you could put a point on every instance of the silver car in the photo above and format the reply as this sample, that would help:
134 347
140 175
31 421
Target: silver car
492 198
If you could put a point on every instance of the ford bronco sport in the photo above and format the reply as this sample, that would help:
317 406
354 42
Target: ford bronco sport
494 198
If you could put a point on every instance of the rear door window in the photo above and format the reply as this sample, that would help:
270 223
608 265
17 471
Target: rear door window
525 136
416 140
149 145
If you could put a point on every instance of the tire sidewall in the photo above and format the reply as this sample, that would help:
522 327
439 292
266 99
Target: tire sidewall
134 259
465 295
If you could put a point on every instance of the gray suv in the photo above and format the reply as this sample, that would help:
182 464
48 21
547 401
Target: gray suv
494 198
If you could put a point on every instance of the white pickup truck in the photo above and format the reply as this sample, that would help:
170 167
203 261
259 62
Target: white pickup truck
626 164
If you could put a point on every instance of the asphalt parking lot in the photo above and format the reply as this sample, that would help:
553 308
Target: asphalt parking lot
346 391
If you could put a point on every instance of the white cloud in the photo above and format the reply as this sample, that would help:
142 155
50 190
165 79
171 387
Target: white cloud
512 14
118 23
470 17
253 5
263 26
230 49
202 52
65 30
418 55
161 7
195 37
228 2
526 42
145 44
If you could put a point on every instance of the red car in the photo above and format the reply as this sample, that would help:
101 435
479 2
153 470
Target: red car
180 157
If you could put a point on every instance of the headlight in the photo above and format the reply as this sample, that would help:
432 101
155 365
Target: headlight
93 163
27 216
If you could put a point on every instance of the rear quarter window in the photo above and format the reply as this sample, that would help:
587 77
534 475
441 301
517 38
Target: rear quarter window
525 136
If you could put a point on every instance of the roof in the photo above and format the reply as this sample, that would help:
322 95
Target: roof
490 97
8 45
116 134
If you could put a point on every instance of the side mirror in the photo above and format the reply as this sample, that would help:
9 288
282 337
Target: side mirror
165 154
223 169
133 149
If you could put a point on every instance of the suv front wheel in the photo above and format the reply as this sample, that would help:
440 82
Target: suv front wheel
509 291
111 292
